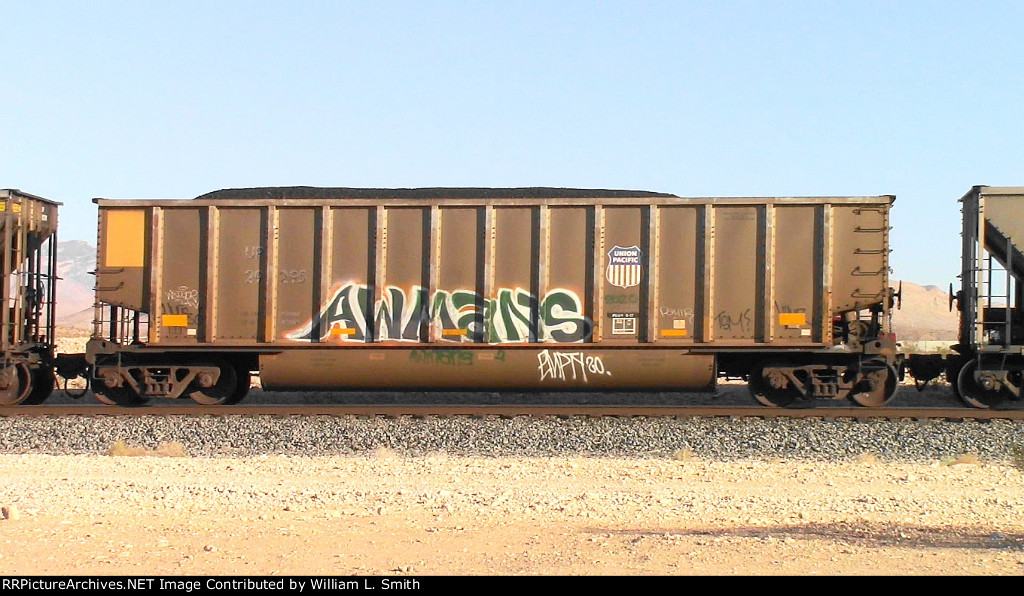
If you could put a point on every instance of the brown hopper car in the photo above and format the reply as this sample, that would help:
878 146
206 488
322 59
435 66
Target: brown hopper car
492 288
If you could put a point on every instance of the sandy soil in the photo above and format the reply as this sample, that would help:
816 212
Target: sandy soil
390 515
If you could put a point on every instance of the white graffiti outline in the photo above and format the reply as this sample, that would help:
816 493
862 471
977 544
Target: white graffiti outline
183 296
558 365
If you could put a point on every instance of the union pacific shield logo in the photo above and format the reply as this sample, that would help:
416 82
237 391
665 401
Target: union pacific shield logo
624 268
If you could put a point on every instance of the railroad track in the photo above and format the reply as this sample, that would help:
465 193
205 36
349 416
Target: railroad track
510 411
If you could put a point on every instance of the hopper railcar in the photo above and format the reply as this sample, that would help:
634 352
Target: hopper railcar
987 368
492 288
28 247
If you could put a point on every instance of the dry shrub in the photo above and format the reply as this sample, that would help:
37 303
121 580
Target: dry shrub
867 458
122 449
684 454
966 459
384 453
1017 457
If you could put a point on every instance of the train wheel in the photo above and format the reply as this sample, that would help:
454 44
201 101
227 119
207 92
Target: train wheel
43 384
973 394
244 380
771 390
15 381
877 388
952 377
123 396
221 392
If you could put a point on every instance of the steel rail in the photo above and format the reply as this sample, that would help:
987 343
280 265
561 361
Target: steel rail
511 411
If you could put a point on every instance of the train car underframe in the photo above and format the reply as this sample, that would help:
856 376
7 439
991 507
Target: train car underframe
774 379
795 379
986 380
208 378
861 368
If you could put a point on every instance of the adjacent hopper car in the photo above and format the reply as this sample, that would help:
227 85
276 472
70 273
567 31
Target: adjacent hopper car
989 368
496 288
28 232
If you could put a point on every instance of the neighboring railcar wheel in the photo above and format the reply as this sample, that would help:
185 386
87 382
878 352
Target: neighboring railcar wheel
953 378
974 394
42 386
222 392
768 393
15 383
123 396
877 389
242 383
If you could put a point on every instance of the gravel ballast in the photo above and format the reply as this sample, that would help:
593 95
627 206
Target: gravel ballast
819 439
712 438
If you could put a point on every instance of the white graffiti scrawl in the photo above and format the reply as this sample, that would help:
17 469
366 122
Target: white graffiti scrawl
569 366
183 296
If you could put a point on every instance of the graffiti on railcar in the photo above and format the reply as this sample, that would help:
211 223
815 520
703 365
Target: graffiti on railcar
569 366
741 321
459 315
181 300
442 357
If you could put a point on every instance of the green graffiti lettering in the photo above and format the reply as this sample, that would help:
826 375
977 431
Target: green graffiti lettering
464 315
442 357
563 317
471 319
399 317
513 316
337 315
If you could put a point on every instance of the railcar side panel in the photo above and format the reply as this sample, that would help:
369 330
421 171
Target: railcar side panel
678 301
793 313
737 309
684 272
860 255
345 311
122 269
238 293
296 268
623 282
180 278
510 274
460 261
567 306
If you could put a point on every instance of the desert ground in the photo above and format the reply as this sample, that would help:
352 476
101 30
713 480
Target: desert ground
166 513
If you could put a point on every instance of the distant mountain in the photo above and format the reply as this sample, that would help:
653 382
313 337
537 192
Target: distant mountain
75 260
925 315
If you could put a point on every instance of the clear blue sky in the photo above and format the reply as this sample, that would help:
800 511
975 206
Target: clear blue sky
173 99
